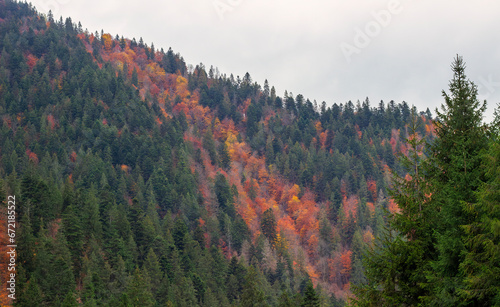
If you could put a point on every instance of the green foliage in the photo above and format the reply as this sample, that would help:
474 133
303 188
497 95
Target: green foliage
119 205
224 195
311 298
481 265
268 225
440 249
458 148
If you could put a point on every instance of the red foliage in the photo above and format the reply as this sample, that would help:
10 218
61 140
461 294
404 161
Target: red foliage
393 207
32 156
372 187
73 156
358 131
394 139
52 121
350 206
31 61
322 139
345 258
201 222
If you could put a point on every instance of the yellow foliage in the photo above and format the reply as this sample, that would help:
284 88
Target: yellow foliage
181 87
281 244
108 41
318 127
155 70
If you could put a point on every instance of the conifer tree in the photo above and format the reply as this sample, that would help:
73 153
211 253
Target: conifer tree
481 265
138 290
455 174
268 225
311 298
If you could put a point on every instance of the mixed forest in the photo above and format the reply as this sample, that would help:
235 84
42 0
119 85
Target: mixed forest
143 181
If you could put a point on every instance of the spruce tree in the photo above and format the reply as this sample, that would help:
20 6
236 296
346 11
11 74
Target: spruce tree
481 265
311 298
455 174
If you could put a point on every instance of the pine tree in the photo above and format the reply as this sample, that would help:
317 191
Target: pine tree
252 291
455 175
268 225
152 267
481 265
311 298
138 290
395 266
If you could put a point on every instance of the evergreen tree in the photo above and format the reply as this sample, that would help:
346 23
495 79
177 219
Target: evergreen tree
481 266
252 291
417 260
311 298
138 290
455 175
268 225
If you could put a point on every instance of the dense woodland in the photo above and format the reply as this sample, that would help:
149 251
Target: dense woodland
443 247
143 181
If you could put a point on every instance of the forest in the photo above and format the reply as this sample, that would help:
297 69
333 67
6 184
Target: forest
140 180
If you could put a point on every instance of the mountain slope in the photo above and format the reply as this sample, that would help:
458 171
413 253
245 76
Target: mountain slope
146 181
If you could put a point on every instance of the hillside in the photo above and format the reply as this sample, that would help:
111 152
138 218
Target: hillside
142 181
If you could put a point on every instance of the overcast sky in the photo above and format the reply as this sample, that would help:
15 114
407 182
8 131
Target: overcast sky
326 50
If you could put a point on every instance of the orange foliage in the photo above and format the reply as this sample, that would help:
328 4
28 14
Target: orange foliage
31 61
155 70
372 187
201 221
358 131
108 42
181 87
286 224
73 156
32 156
263 174
318 127
350 206
254 164
393 207
293 205
244 107
312 274
394 139
322 139
368 236
52 121
408 177
223 130
346 263
297 218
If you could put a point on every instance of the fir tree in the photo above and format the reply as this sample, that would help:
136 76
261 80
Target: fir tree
481 265
455 175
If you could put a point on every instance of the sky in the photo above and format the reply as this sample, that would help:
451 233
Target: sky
326 50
